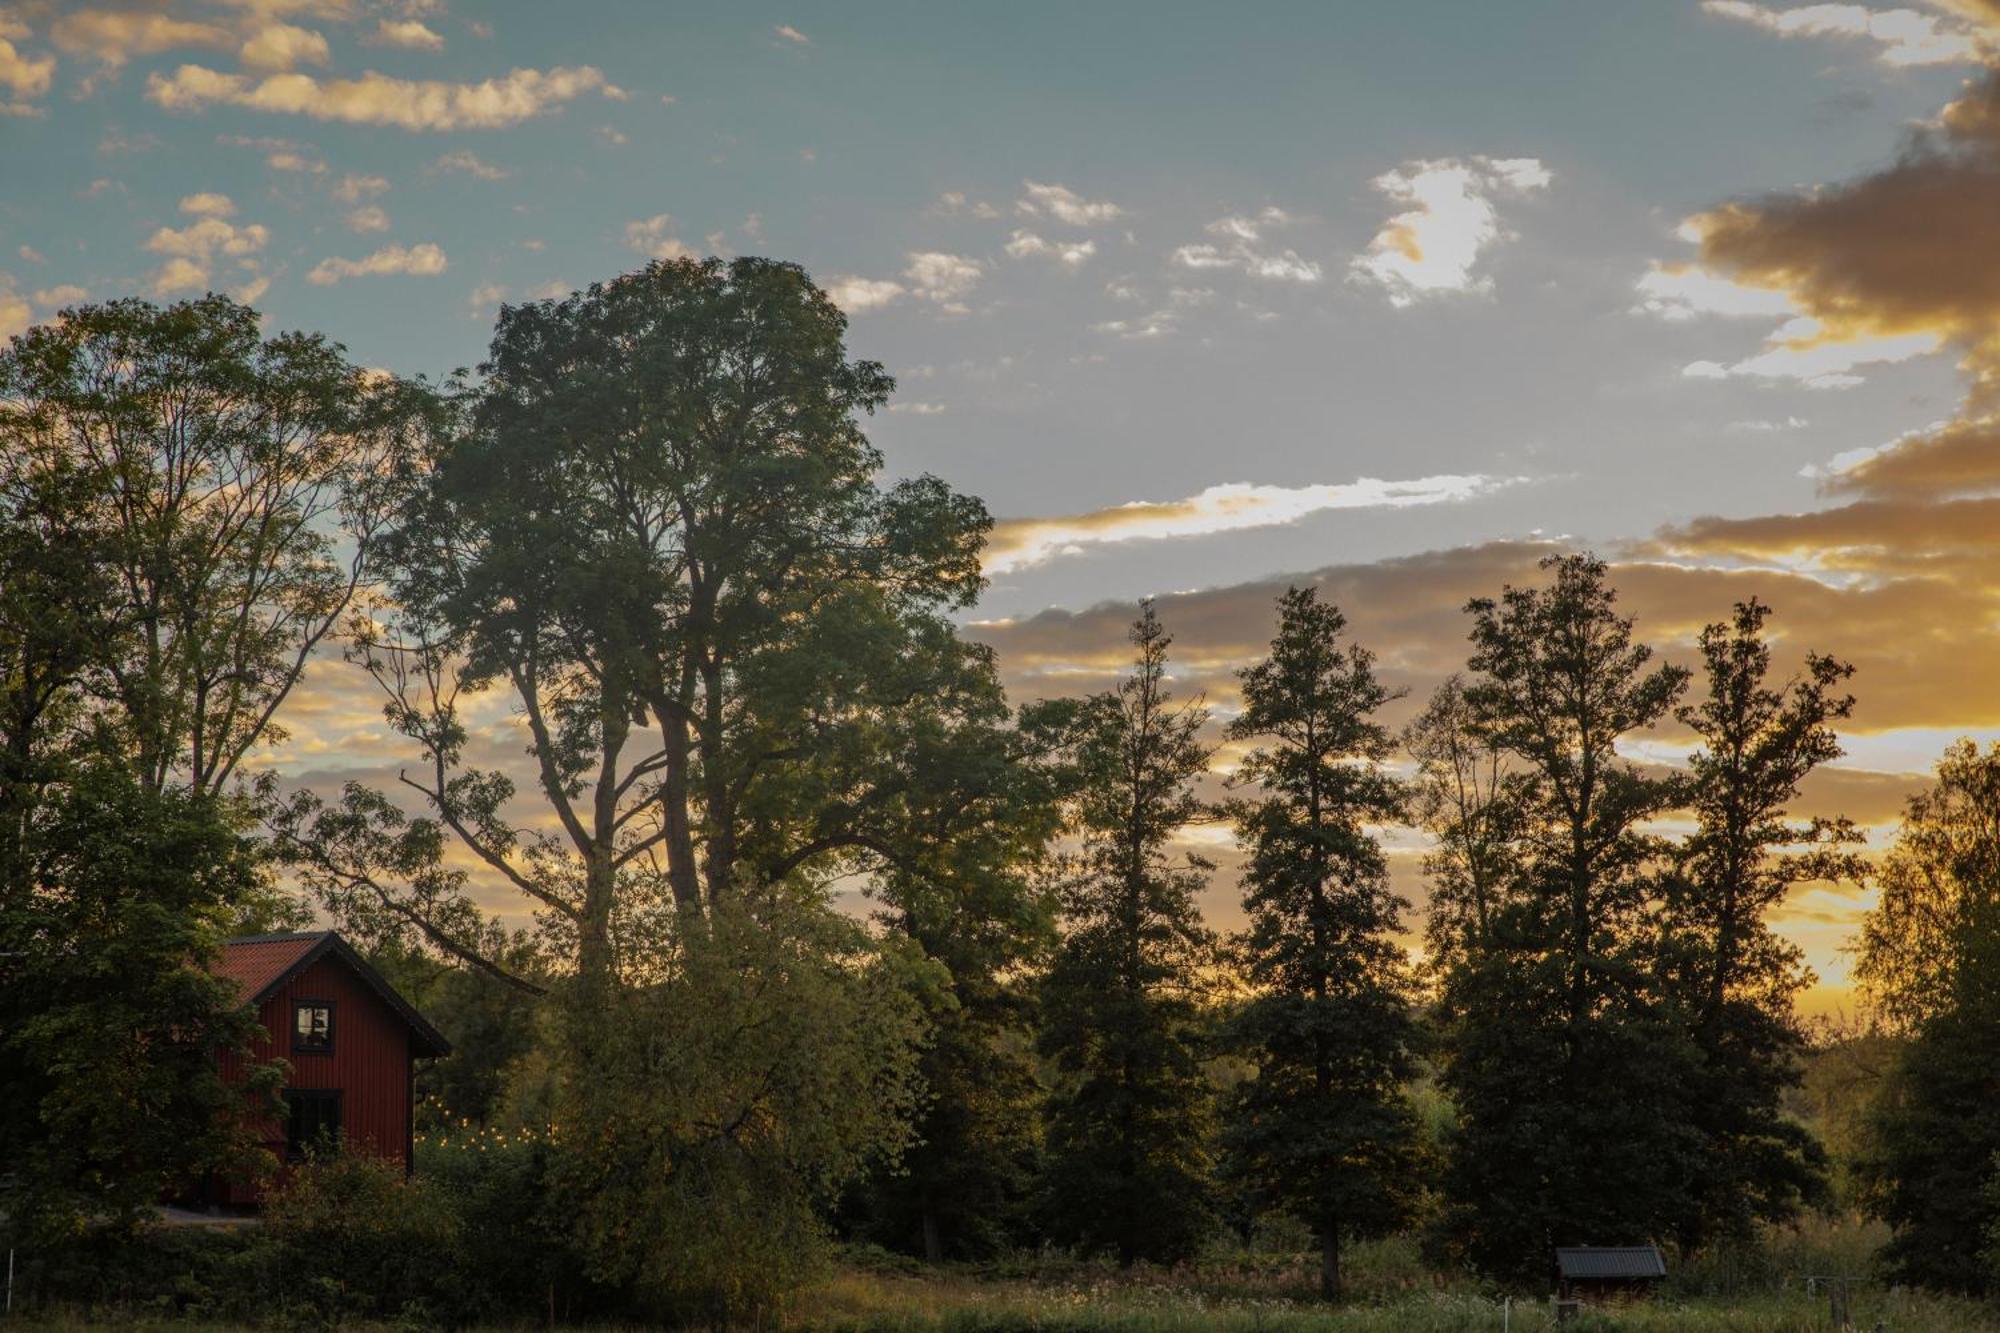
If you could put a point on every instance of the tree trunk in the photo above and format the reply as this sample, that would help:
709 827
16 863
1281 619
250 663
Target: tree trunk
1329 1261
933 1244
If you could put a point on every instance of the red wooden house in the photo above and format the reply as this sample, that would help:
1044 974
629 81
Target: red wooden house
352 1043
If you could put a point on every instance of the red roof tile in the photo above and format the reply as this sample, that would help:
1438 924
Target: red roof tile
259 961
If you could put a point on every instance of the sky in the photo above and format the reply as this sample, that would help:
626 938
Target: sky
1394 298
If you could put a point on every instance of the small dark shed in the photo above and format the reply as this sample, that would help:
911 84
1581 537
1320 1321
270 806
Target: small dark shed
1608 1272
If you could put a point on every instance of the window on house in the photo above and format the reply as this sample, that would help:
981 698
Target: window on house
312 1026
312 1123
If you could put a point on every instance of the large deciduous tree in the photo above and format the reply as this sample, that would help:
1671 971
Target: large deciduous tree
1930 962
220 490
1735 981
1567 1071
186 506
658 539
110 1019
1131 1118
1322 1130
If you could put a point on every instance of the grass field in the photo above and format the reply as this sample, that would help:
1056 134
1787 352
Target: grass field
1391 1291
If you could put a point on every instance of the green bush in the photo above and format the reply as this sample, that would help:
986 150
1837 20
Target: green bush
352 1238
514 1239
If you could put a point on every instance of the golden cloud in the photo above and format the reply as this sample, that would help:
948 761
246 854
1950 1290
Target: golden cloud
378 99
422 261
23 77
113 37
1232 507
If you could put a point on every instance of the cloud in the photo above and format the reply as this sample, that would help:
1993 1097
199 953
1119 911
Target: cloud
113 37
1432 247
422 261
917 409
1064 205
23 77
369 217
954 203
16 315
484 298
1800 350
1026 244
1760 426
1684 292
858 295
62 294
377 99
1889 265
1232 507
1905 36
353 188
1240 247
193 252
792 35
654 238
929 275
281 154
408 34
1161 321
942 278
469 164
279 46
1949 459
208 205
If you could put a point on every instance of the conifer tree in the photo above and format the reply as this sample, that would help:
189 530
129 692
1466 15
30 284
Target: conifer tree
1736 981
1130 1122
1569 1076
1930 963
1322 1129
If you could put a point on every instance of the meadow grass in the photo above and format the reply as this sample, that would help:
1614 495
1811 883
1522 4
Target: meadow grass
1271 1290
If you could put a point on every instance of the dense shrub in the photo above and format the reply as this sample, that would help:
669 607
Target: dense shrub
513 1237
352 1237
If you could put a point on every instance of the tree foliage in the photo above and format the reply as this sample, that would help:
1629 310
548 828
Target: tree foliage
110 1019
1930 957
1735 981
213 496
757 1063
1465 795
657 533
1322 1129
1130 1120
1565 1066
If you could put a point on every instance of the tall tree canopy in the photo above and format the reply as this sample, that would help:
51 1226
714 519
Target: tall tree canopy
1566 1069
1736 980
186 507
1930 960
1323 1129
658 536
1130 1119
110 1019
1466 796
214 493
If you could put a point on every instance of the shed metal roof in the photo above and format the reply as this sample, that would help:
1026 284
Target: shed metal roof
1611 1261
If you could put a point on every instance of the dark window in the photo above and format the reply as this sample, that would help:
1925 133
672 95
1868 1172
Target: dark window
312 1123
312 1026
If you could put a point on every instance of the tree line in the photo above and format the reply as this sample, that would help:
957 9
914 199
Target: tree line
648 531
